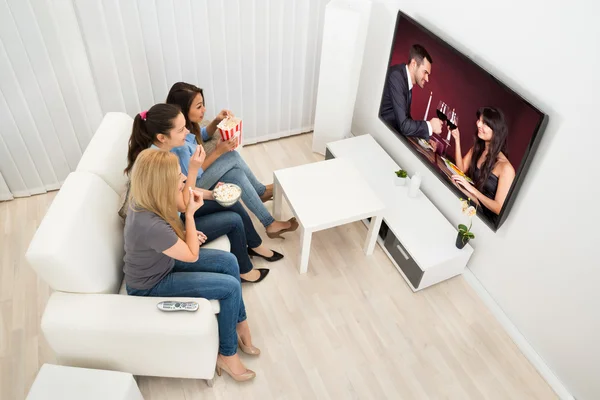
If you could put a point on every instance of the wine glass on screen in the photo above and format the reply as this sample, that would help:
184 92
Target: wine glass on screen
442 111
452 122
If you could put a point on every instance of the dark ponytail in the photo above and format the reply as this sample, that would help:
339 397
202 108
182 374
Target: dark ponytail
146 126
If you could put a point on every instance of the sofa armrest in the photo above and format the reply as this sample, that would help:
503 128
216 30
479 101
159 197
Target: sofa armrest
130 334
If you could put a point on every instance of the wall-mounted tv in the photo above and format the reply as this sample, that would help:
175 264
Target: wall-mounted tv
476 134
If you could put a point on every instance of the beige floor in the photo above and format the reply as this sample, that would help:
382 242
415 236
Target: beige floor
349 329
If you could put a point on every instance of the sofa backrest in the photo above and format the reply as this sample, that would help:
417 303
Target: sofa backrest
78 246
106 155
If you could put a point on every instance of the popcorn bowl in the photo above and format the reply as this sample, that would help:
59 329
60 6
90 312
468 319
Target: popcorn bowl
227 194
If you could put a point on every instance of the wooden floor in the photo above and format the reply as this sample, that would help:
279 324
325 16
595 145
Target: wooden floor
349 329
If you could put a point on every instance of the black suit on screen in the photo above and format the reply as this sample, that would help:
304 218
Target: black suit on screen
395 104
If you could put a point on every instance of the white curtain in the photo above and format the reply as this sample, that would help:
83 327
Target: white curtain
65 63
5 193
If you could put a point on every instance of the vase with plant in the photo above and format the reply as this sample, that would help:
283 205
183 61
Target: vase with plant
400 178
464 233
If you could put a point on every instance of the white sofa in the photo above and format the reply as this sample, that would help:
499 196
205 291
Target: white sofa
89 320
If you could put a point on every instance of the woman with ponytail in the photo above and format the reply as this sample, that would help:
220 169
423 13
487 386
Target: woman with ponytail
164 125
223 164
164 259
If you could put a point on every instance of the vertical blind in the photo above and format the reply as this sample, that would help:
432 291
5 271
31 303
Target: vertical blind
65 63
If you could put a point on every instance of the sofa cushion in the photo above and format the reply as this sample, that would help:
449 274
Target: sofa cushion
78 246
106 154
216 306
211 144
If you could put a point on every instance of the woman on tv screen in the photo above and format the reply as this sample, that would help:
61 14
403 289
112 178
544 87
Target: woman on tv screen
486 163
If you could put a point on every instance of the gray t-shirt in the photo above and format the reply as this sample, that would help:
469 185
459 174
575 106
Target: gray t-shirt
146 236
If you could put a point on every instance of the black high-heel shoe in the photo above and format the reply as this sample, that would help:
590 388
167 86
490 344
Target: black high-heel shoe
263 274
275 257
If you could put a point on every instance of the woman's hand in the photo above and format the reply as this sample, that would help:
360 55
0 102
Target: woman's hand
201 237
224 114
208 195
456 135
195 202
463 182
197 158
225 146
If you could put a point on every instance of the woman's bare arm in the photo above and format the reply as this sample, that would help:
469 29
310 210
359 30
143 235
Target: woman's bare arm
189 250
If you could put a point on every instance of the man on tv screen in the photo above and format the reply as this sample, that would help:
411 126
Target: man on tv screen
397 95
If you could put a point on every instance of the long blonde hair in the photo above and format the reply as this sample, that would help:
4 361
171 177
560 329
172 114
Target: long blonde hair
155 186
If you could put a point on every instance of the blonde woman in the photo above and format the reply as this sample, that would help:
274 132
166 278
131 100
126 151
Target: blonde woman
163 259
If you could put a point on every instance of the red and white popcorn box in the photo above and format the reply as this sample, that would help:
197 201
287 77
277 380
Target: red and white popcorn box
231 128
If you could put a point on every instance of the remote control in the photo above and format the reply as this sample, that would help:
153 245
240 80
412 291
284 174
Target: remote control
177 306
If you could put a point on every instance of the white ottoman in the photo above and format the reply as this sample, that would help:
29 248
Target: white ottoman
56 382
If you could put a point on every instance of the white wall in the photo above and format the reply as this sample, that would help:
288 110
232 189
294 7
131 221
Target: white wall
542 266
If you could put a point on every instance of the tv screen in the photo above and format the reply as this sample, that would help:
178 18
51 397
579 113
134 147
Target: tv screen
476 134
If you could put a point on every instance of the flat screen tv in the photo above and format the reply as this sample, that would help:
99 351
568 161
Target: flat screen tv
476 134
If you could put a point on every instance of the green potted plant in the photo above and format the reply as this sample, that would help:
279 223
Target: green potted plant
400 178
464 234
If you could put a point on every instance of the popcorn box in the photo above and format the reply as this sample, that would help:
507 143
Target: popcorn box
231 128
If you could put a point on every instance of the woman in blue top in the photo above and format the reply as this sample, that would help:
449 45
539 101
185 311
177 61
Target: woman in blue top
222 165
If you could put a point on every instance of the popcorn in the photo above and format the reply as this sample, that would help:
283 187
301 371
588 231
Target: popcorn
231 128
229 123
227 192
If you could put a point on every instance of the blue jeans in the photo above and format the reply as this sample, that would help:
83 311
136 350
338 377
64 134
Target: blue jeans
228 223
215 276
231 168
253 239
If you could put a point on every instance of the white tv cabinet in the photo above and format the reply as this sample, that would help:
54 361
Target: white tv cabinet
419 240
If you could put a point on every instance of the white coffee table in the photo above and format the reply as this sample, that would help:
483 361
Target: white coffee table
324 195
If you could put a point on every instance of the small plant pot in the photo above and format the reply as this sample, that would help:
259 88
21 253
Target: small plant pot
460 242
400 181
